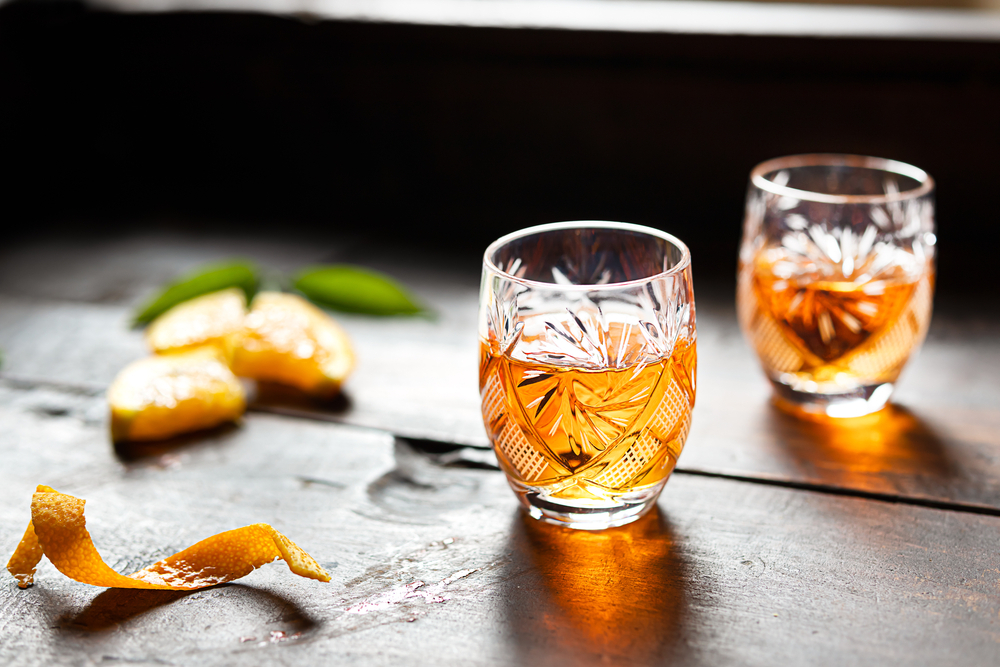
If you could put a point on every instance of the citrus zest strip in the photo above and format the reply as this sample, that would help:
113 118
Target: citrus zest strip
58 530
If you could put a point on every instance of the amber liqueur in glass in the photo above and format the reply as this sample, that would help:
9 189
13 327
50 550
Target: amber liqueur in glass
588 435
813 325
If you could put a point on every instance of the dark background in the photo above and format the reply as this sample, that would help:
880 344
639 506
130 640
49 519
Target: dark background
447 137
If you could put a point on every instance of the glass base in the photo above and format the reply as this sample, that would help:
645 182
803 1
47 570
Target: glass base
857 402
586 515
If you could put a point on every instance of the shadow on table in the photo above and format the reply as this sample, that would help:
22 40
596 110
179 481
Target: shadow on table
618 596
143 451
271 397
883 452
117 606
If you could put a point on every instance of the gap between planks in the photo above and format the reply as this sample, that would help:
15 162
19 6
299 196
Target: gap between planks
842 491
428 445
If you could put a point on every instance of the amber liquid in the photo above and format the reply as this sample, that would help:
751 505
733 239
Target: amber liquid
833 329
587 434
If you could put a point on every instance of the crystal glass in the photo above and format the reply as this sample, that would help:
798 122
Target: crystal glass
587 366
836 277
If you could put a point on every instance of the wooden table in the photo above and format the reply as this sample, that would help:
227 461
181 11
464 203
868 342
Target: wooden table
775 542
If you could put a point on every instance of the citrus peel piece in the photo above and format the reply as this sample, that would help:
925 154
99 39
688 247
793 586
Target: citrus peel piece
58 531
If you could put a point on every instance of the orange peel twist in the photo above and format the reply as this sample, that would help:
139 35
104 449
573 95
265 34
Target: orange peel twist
58 530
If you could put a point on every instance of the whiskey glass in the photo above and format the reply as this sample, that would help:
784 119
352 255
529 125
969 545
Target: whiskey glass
587 367
836 278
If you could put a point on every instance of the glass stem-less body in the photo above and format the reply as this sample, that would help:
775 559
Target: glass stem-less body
834 339
835 289
587 387
593 439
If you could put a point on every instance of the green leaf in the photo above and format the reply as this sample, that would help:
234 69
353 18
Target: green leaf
207 279
354 289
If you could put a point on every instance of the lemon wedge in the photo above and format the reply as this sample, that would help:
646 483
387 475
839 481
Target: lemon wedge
288 340
162 396
212 319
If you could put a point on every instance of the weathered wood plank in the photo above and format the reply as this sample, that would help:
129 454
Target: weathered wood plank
939 441
65 307
126 269
417 377
414 377
434 565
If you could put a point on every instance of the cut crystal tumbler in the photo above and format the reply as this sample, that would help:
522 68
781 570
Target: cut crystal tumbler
836 277
587 366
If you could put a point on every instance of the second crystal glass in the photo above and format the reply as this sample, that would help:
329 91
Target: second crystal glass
587 366
836 277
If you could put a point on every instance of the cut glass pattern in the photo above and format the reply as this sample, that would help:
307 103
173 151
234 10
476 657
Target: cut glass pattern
581 329
674 408
765 334
526 460
836 275
892 348
493 400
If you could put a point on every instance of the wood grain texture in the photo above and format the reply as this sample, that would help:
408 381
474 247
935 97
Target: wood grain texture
940 440
126 270
417 378
435 565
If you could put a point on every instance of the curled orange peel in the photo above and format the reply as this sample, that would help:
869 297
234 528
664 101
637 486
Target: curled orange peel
58 530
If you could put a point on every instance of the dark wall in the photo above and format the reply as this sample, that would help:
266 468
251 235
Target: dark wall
455 135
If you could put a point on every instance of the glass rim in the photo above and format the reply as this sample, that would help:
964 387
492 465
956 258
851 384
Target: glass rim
681 265
841 160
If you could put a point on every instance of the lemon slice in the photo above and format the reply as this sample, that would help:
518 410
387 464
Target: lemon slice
162 396
288 340
212 319
58 530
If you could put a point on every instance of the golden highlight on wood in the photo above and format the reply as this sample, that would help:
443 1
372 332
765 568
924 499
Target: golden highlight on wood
58 530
